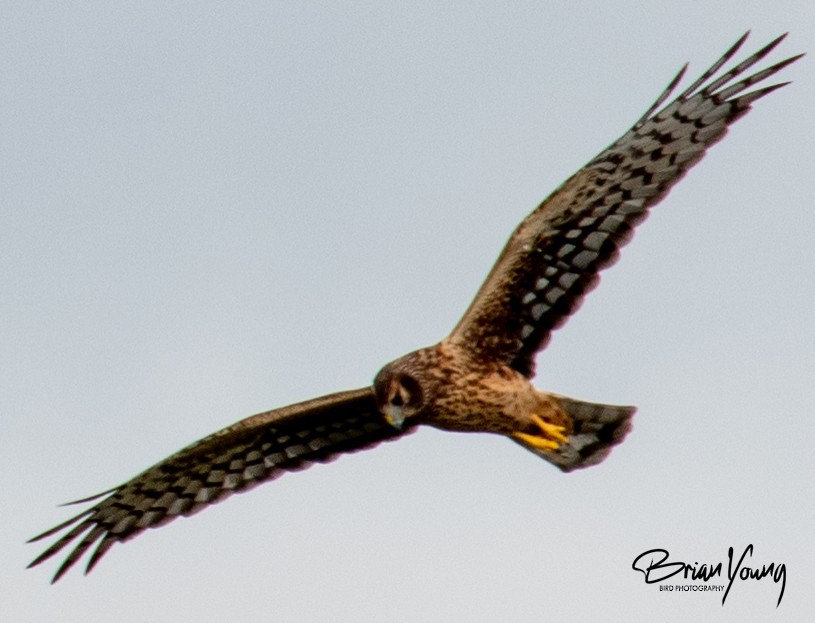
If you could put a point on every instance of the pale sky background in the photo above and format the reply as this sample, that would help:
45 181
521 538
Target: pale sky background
213 209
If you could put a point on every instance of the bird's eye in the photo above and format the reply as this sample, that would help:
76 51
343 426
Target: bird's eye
400 391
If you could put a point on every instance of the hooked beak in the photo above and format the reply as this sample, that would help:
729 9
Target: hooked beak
394 416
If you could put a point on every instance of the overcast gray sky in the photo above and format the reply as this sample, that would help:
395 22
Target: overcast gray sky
213 209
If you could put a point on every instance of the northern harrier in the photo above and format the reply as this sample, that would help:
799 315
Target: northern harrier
478 378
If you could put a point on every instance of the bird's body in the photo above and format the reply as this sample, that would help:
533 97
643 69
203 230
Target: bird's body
448 387
477 379
473 395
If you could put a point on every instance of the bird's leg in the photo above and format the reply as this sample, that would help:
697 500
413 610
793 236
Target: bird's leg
550 439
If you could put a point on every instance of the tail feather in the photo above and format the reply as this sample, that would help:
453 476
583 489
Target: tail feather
597 428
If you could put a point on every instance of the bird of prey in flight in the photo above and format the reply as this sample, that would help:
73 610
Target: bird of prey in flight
478 378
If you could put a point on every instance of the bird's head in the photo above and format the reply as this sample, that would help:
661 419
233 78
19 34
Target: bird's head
400 390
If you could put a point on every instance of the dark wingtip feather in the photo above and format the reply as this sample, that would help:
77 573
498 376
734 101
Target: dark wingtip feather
663 96
743 66
785 62
104 545
735 48
63 569
769 47
64 524
60 544
76 553
91 498
748 98
715 67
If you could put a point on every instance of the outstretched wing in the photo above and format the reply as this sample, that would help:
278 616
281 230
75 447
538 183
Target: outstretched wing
552 259
252 451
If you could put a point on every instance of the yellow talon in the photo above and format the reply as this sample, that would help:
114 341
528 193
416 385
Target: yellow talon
553 435
551 429
537 442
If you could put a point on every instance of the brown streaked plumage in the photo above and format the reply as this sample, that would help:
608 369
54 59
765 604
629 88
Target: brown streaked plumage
478 378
